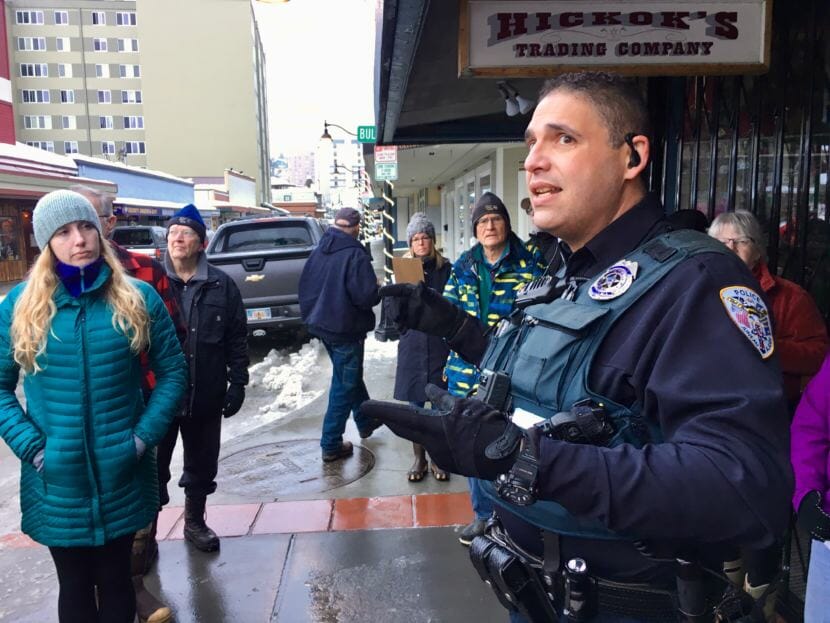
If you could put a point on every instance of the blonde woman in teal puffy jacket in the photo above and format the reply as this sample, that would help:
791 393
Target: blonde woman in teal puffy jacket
75 328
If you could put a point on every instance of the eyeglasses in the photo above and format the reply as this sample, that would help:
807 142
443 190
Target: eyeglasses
490 220
182 233
420 239
734 242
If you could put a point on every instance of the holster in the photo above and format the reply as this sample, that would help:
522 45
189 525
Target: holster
516 583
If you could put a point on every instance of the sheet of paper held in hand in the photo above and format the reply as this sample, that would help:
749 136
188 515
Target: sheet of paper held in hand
408 269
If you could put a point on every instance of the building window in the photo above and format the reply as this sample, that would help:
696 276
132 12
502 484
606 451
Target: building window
64 70
61 17
108 148
28 44
67 96
130 97
37 122
125 18
45 145
105 97
29 17
133 122
99 45
99 18
106 122
70 147
128 45
68 122
34 70
62 44
130 71
134 147
102 71
34 96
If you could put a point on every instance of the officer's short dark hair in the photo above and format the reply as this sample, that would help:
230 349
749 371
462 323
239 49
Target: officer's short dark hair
618 101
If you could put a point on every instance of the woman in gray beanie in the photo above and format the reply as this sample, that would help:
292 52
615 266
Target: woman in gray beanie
76 328
421 357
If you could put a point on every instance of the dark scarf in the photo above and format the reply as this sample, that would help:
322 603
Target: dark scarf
78 280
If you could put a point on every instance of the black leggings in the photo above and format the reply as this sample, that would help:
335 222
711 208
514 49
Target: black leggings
82 569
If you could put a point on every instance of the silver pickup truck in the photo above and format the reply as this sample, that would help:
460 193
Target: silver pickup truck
264 257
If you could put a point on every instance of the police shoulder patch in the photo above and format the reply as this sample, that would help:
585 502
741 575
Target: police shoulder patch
748 311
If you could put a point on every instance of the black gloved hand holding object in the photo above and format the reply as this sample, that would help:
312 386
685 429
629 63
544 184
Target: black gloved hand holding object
812 518
233 399
455 436
421 308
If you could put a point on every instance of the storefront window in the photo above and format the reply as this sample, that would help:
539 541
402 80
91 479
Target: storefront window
10 247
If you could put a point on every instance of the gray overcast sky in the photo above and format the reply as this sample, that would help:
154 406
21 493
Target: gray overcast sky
319 56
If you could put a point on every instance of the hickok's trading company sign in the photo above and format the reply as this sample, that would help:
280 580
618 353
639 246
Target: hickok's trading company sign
517 38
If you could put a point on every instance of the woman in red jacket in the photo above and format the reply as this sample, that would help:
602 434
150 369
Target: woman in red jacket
798 329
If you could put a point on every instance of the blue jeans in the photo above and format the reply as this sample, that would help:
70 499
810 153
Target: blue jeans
817 602
346 394
482 506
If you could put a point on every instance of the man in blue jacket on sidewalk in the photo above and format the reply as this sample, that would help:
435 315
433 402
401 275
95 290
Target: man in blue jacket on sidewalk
338 289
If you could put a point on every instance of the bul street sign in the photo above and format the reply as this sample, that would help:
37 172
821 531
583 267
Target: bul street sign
386 171
366 134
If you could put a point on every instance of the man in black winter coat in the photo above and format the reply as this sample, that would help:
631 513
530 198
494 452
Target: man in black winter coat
338 289
216 350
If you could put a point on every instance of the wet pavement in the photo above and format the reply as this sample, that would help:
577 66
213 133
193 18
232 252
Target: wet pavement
348 541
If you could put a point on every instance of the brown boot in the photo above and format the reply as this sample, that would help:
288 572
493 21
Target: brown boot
768 606
147 605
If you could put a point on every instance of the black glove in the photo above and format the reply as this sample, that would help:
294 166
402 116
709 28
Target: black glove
812 518
233 399
456 435
421 308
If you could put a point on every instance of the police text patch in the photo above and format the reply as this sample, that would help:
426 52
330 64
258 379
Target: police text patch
747 310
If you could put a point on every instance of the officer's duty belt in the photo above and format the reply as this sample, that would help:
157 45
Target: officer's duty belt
495 551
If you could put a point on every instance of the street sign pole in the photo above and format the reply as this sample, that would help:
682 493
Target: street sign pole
386 329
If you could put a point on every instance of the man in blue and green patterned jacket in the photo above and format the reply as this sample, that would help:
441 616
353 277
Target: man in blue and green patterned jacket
484 282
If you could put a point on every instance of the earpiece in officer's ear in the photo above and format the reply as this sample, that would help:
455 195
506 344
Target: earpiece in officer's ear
634 159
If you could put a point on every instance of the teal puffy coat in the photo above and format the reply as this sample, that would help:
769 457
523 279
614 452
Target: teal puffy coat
83 408
523 263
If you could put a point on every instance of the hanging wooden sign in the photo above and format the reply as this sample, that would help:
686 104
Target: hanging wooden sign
685 37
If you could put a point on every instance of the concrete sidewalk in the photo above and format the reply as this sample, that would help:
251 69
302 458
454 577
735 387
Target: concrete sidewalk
389 559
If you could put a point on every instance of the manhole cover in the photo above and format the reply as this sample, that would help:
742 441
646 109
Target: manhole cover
273 470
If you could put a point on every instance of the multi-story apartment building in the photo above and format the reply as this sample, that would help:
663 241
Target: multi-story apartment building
153 83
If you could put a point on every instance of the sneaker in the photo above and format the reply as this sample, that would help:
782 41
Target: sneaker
365 434
471 531
346 449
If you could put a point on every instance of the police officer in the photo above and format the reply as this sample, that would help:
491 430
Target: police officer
647 420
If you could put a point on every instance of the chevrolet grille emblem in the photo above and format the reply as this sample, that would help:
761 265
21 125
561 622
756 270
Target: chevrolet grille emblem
254 277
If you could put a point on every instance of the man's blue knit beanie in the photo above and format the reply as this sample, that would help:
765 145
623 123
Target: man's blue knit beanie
190 217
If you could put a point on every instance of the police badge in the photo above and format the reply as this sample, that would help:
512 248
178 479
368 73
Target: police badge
747 310
614 281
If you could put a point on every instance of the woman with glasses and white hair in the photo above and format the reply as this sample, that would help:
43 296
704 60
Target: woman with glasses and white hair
798 329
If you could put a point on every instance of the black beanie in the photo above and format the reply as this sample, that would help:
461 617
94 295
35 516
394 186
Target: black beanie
489 203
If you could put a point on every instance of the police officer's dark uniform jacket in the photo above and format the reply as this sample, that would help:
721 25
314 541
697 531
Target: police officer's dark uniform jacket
722 472
717 471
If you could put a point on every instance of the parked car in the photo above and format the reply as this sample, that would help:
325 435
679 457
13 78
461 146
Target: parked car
147 239
265 257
